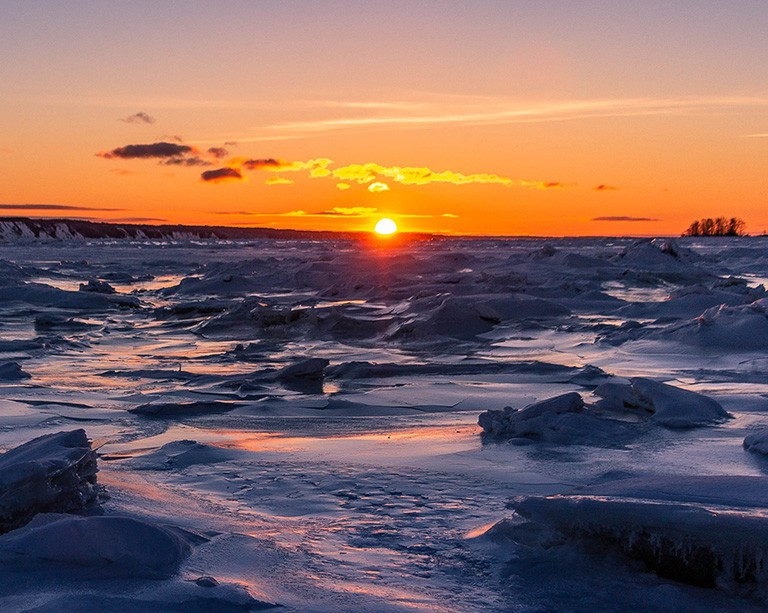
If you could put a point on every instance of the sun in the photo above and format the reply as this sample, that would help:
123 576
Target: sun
385 227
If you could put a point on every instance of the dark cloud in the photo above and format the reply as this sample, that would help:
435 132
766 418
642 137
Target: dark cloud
222 174
218 152
140 117
256 164
604 188
154 150
552 185
135 219
233 212
193 161
623 218
51 207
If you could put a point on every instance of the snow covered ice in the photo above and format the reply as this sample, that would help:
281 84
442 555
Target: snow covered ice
295 423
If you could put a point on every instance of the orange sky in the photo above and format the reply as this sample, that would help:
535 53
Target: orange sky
502 118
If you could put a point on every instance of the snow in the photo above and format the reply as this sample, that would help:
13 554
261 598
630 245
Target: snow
182 454
113 546
295 422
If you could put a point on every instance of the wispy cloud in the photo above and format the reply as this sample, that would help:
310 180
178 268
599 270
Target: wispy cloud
136 219
339 211
354 211
623 218
495 111
189 161
140 117
52 207
279 181
604 188
760 135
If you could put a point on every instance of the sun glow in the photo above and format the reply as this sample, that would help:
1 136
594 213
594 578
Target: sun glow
385 227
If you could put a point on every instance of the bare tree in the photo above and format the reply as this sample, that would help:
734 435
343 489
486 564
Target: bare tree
720 226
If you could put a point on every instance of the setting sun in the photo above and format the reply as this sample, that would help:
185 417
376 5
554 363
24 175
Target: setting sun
385 226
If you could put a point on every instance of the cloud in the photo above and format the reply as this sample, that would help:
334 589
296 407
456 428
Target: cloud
421 175
623 218
376 177
449 215
278 165
604 188
493 111
339 211
261 164
51 207
123 171
135 219
218 152
220 175
278 181
354 211
140 117
155 150
193 161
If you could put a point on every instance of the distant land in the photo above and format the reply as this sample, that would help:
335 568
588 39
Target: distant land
15 228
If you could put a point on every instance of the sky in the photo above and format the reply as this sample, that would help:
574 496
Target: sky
496 117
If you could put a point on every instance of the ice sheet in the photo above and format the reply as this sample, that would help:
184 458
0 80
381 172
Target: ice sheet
306 412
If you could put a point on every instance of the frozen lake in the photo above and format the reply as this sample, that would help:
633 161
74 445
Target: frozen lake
303 415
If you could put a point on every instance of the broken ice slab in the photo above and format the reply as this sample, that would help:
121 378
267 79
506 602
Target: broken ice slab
710 531
51 473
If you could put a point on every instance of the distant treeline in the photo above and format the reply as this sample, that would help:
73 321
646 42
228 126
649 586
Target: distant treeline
720 226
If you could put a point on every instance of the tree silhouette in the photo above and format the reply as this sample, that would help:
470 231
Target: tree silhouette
720 226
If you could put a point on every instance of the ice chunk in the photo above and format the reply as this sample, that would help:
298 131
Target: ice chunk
590 376
677 408
563 420
309 369
54 472
110 546
181 454
97 286
669 406
757 442
509 422
11 371
706 531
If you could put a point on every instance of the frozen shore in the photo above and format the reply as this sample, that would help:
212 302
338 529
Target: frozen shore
223 425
